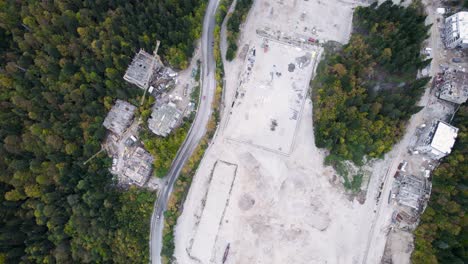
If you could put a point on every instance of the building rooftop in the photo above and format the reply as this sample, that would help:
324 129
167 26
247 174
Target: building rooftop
455 87
444 137
138 166
163 119
119 117
459 24
411 192
141 69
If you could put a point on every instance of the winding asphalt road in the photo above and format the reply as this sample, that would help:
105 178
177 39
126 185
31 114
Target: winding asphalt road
196 133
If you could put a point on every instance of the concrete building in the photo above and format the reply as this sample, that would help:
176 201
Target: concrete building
456 30
454 87
141 70
138 166
437 140
119 117
164 118
412 192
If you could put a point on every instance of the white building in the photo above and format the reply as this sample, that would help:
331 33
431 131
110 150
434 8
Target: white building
456 30
439 140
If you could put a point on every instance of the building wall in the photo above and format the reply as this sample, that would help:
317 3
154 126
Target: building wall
452 40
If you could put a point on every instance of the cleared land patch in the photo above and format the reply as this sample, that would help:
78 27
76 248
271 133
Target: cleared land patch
270 96
218 198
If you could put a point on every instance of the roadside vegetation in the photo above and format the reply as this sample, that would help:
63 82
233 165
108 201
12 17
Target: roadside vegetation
441 237
182 185
365 92
59 61
195 94
165 149
234 22
221 14
176 201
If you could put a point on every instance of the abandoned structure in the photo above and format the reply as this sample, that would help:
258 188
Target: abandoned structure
164 118
148 72
130 162
437 140
141 70
119 117
138 166
454 87
411 191
456 30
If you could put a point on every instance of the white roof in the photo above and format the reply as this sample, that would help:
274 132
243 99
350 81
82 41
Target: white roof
441 10
444 137
460 24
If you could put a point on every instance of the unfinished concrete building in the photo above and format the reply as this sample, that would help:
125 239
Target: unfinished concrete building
412 192
119 117
138 166
456 31
164 118
141 70
454 87
437 140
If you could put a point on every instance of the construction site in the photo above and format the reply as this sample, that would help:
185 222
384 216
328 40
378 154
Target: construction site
164 118
281 204
452 86
147 72
433 136
270 95
131 163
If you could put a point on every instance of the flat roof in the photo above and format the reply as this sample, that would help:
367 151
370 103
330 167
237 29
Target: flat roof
119 117
140 71
444 137
163 119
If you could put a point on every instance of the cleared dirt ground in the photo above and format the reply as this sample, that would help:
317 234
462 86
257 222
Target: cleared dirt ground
284 206
269 103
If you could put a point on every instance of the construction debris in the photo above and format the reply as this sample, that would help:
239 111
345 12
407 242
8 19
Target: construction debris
138 166
453 86
296 40
130 162
411 191
148 72
119 117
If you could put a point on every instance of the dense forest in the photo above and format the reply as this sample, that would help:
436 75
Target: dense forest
61 65
233 26
442 236
364 93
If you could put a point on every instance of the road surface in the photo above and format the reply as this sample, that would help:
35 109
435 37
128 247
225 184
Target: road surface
195 134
